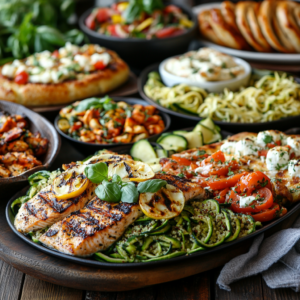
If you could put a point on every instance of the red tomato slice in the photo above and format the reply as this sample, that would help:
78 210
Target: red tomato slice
22 77
55 53
254 181
217 156
182 160
166 32
222 196
269 214
171 9
225 182
99 65
265 194
103 14
90 21
263 153
235 206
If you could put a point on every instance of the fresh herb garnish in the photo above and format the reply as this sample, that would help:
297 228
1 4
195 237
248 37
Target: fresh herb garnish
151 186
109 191
96 173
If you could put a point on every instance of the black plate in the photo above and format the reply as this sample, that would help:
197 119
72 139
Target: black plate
88 148
139 53
94 263
282 124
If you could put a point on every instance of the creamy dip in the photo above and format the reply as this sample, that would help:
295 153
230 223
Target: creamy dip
206 64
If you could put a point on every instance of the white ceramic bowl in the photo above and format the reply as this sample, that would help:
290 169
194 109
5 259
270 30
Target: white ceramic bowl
210 86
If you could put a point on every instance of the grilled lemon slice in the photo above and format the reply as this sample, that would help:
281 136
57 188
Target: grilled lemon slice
70 183
131 171
167 203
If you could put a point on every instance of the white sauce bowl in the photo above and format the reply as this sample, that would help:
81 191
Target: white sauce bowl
170 79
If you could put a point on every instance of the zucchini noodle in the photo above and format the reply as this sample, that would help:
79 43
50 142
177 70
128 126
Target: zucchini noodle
270 98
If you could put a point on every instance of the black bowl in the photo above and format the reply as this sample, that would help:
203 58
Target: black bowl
141 52
37 123
88 148
281 124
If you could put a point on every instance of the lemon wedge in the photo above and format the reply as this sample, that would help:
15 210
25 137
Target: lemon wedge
70 183
167 203
131 171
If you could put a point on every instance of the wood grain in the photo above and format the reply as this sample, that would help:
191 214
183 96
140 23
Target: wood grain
10 282
278 294
246 289
35 289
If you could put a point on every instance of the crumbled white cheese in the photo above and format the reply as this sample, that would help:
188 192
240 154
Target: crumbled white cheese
245 201
9 70
278 158
246 147
228 147
294 168
294 143
270 136
104 57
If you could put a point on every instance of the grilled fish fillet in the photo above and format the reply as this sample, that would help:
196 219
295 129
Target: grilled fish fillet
98 225
190 189
91 229
44 209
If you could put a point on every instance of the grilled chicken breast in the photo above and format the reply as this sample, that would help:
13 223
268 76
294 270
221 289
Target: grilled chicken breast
44 209
190 190
91 229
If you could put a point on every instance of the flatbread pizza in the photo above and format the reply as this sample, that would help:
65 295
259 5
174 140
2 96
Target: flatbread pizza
63 76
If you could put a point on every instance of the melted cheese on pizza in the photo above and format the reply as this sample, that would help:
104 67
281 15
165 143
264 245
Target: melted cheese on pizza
64 64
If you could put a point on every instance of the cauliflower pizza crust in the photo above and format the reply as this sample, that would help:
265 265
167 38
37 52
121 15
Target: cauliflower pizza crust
60 84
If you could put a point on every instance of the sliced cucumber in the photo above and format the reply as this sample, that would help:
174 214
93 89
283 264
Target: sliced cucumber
192 110
208 122
194 138
173 141
209 135
180 132
143 151
162 153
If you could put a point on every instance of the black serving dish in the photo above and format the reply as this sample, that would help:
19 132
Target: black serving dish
282 124
89 148
141 52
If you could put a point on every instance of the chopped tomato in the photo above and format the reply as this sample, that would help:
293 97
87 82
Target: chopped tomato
267 199
118 30
222 196
292 156
225 182
103 15
22 77
166 32
217 156
263 153
171 9
99 65
254 181
90 21
181 160
268 214
55 53
222 170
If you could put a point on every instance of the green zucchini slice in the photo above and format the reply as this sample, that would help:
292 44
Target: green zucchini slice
187 109
143 151
235 225
206 207
102 257
168 256
247 225
175 243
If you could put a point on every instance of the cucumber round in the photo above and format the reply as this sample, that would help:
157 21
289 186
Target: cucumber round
173 141
143 151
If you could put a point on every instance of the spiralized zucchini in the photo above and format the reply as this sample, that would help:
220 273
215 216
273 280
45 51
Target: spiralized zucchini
270 98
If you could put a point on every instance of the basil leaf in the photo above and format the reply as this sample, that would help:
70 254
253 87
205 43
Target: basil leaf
150 5
51 35
109 192
129 193
151 186
96 173
110 105
116 178
92 102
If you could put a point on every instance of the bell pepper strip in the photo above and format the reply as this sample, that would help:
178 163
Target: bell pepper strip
268 214
224 183
254 181
182 160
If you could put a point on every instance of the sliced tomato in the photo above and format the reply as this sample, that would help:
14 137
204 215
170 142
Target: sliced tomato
225 182
99 65
216 157
90 21
55 53
182 160
234 198
263 153
166 32
292 156
103 14
267 201
22 77
254 181
268 214
171 9
222 195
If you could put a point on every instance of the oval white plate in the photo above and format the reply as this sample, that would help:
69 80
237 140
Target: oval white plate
251 55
